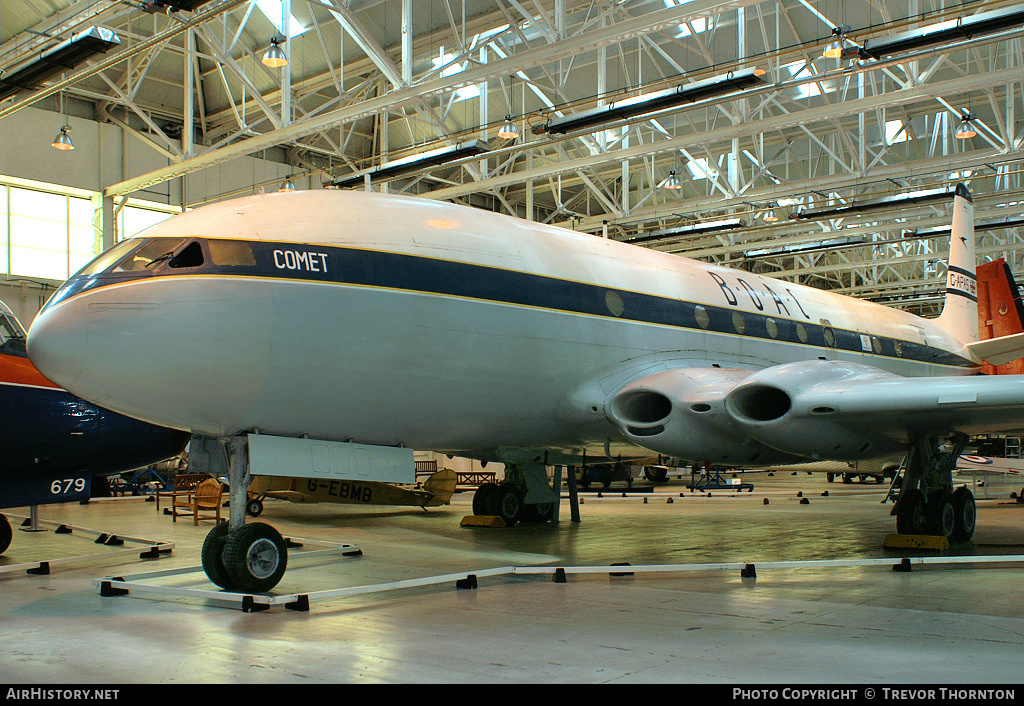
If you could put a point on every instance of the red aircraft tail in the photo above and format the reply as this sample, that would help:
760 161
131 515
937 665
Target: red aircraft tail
1000 310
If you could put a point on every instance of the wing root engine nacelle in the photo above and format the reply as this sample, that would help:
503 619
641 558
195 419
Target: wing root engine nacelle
780 414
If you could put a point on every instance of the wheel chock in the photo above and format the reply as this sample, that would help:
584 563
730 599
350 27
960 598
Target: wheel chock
800 494
748 572
805 501
915 541
153 553
109 591
249 605
559 575
669 501
42 570
482 521
469 582
766 502
301 604
825 494
621 573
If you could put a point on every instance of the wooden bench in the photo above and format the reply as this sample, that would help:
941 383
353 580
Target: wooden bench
183 486
205 501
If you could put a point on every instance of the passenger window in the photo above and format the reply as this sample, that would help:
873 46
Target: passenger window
231 252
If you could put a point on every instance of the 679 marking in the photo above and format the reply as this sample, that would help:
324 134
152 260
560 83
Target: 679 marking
63 487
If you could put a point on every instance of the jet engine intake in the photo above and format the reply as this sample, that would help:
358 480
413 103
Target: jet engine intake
810 409
681 413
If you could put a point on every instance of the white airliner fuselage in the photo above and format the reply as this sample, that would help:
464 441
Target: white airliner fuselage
334 316
390 320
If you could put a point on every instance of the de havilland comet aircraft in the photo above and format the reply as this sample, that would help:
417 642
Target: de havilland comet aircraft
328 333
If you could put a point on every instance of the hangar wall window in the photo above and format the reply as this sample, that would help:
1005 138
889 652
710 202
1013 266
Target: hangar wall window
50 232
49 235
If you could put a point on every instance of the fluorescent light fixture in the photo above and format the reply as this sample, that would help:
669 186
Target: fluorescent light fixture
153 6
67 55
913 197
945 32
695 229
981 225
414 163
643 104
804 248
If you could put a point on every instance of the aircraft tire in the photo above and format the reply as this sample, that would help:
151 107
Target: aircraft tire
911 512
213 556
941 515
847 478
537 513
255 557
830 477
254 508
508 502
482 499
966 513
6 534
656 475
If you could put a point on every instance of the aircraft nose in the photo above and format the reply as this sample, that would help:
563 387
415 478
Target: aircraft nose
58 343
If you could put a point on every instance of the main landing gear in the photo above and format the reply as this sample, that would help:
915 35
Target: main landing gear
928 504
523 497
247 558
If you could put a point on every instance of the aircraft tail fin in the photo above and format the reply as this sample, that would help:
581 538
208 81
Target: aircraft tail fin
959 316
442 485
1000 315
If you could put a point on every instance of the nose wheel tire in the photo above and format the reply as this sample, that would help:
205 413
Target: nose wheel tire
255 557
6 534
213 556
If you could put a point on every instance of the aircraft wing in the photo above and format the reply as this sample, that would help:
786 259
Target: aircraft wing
810 409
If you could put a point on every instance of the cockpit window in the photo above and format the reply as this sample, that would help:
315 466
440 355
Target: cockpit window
109 257
231 252
9 328
189 256
149 255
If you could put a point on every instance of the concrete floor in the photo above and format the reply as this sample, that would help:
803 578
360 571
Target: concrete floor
960 624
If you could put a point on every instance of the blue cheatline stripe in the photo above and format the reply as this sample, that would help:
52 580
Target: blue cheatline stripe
417 273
